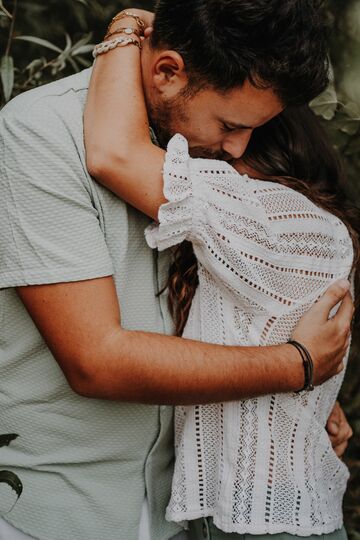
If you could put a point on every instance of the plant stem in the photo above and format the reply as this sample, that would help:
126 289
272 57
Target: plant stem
12 28
4 10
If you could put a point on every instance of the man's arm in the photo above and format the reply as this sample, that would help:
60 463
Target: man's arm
81 324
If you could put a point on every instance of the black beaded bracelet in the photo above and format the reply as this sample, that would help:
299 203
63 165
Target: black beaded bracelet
308 366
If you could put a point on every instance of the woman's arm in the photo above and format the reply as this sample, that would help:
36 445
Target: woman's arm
120 154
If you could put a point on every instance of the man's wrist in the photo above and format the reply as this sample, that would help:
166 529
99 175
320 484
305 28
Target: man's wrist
292 368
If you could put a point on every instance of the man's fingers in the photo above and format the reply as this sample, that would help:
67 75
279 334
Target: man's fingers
340 368
334 420
334 294
340 449
345 312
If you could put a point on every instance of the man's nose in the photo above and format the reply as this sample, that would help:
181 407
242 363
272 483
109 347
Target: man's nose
236 143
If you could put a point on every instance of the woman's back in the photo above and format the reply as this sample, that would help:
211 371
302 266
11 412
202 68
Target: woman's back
266 253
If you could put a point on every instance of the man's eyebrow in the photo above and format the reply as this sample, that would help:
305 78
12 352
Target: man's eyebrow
234 125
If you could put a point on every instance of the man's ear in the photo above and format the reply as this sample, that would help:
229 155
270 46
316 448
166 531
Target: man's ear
169 75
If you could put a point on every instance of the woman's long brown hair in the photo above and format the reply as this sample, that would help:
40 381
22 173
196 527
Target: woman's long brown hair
292 149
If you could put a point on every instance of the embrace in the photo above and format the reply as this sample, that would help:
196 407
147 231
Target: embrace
174 232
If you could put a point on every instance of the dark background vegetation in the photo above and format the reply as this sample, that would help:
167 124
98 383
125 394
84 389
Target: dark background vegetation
58 39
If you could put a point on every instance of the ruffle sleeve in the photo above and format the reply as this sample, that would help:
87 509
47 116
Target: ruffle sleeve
180 217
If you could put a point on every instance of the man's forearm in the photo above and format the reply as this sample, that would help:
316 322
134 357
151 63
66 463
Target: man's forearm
102 360
157 369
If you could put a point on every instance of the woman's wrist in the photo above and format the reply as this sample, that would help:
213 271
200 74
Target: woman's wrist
135 18
124 30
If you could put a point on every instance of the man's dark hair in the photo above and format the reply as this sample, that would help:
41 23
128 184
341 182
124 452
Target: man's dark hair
279 44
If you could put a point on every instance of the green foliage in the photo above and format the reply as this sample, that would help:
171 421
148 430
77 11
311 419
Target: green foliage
8 477
41 41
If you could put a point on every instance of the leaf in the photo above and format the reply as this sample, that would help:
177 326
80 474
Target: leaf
4 11
7 76
68 43
5 440
82 46
83 62
39 41
12 480
354 148
84 49
351 127
326 104
352 110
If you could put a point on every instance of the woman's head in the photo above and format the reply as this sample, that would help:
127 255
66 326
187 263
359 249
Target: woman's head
292 149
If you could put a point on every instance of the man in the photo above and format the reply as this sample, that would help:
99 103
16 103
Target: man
71 254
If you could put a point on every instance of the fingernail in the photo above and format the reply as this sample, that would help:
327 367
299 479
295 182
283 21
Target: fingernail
334 428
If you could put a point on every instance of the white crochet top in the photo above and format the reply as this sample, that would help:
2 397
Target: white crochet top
266 253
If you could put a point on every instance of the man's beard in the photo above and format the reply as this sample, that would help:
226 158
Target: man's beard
162 118
165 116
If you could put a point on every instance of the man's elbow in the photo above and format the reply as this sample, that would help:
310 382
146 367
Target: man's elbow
86 378
96 163
82 380
101 163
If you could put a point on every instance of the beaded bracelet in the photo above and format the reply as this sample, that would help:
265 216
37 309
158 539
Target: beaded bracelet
107 46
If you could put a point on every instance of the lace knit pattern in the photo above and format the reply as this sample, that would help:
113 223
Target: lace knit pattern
266 253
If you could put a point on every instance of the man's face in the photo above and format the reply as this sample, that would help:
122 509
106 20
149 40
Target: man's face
216 124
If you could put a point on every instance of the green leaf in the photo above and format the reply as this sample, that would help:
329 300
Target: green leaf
12 480
5 440
352 110
326 104
68 43
351 127
84 49
39 41
7 76
354 148
4 11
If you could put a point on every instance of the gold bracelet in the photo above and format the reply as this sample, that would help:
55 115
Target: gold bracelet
123 15
128 31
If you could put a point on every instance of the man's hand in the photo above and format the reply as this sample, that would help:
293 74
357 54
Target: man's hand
327 339
339 430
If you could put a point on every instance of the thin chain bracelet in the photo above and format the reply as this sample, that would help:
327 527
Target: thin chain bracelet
124 15
124 30
106 46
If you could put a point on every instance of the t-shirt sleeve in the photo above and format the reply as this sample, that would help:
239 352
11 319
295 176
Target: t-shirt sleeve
49 227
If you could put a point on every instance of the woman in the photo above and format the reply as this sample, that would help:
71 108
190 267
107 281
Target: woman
266 245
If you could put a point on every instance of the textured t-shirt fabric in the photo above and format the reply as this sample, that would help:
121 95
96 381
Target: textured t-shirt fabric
266 253
85 464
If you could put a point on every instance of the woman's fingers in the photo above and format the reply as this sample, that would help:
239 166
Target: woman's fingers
148 31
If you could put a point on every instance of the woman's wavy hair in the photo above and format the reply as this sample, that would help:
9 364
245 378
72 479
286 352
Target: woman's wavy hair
292 149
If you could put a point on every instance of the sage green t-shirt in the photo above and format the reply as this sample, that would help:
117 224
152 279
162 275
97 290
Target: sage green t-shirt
84 463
